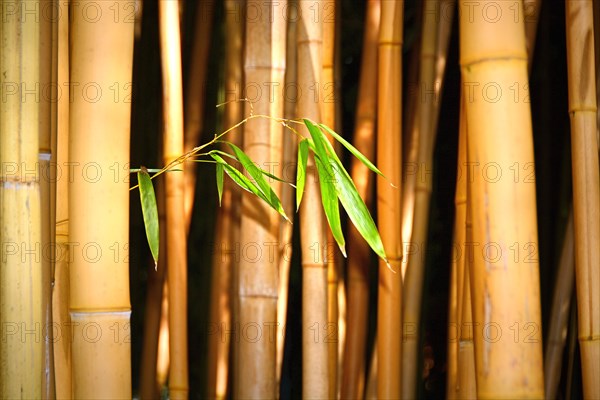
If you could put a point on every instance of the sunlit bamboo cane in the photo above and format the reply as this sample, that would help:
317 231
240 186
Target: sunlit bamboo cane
354 365
586 186
389 208
170 46
102 55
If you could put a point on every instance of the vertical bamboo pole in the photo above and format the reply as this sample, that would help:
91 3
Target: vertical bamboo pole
561 301
586 186
228 227
288 199
505 292
194 103
315 368
353 367
328 117
99 204
264 67
47 157
20 220
170 45
60 293
413 283
389 157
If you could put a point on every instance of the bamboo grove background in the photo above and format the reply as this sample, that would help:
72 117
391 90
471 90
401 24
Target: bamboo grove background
405 82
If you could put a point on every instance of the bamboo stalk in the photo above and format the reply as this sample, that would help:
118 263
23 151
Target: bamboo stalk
194 102
47 158
20 219
389 157
315 366
228 227
505 286
258 284
149 388
328 117
99 206
413 283
586 186
173 147
60 146
287 192
561 301
353 367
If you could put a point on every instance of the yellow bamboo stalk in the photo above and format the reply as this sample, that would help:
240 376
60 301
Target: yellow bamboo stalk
586 186
149 387
20 219
47 158
194 103
288 199
60 145
413 283
561 301
389 207
99 205
505 284
170 45
353 367
458 262
228 226
328 117
315 365
258 285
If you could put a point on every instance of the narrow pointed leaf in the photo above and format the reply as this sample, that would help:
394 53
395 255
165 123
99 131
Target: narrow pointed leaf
220 177
329 199
301 170
149 211
319 145
352 150
242 181
357 210
258 177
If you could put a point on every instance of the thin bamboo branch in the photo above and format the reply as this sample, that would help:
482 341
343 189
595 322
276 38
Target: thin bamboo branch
389 204
170 45
353 367
586 186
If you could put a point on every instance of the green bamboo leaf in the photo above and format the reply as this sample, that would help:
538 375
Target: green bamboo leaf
242 181
149 211
301 170
258 177
357 210
220 177
319 145
329 199
352 150
262 171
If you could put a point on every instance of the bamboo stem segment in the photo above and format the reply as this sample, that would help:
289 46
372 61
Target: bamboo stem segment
20 219
389 158
353 367
505 295
586 186
170 45
315 368
99 205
